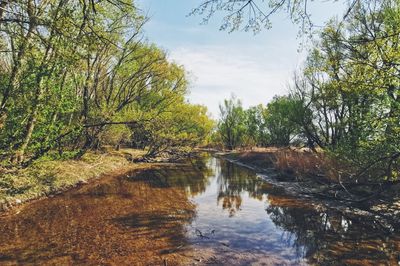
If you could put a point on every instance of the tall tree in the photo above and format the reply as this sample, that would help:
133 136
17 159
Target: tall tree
231 125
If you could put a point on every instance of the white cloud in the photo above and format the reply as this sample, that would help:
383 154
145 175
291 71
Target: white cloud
254 74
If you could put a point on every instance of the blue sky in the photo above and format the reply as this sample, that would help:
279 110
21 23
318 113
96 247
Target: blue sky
252 67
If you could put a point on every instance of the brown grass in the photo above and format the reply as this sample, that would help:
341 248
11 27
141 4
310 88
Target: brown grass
305 164
298 163
48 176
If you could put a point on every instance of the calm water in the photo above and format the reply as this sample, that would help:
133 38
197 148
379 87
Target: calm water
207 211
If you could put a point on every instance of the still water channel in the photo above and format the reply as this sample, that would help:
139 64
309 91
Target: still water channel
206 211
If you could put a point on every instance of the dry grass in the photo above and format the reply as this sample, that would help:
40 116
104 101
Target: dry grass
297 163
46 177
305 164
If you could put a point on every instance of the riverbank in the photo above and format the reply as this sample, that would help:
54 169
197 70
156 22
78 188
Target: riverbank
309 175
48 177
290 164
319 173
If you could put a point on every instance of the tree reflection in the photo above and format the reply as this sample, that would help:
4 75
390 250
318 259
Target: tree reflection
233 181
331 238
193 175
323 236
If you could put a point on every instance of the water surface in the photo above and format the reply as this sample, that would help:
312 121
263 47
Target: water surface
205 211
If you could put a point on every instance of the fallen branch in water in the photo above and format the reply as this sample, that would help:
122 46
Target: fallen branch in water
200 234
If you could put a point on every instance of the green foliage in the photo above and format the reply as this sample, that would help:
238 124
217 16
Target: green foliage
256 132
280 120
182 125
232 126
273 125
75 75
350 91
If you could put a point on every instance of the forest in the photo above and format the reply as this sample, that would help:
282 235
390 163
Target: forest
77 75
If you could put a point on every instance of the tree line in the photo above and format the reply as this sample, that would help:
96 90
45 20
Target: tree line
259 125
345 100
78 74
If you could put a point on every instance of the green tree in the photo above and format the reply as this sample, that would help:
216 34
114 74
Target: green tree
256 131
351 88
231 126
280 120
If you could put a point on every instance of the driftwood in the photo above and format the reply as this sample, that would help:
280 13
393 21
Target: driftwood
200 234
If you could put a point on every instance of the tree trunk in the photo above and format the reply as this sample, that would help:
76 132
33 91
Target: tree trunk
19 154
15 72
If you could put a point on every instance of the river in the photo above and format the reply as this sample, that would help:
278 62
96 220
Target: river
206 211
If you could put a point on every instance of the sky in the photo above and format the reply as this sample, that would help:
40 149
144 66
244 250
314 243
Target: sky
254 68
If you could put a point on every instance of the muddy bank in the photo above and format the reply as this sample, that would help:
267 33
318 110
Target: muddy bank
49 177
361 200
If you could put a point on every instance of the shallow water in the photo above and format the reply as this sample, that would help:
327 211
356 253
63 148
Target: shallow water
206 211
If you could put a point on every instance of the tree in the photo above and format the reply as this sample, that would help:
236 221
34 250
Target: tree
231 125
351 88
280 121
256 133
255 15
184 125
